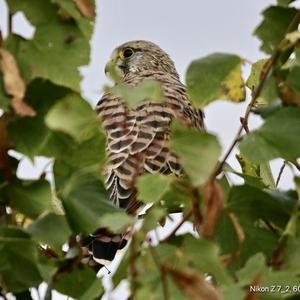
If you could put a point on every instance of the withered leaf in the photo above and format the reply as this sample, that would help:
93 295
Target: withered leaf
22 108
288 95
194 285
14 84
213 195
86 7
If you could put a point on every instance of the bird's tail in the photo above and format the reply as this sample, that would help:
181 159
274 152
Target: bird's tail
100 248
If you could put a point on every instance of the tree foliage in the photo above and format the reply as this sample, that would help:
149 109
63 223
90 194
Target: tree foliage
245 235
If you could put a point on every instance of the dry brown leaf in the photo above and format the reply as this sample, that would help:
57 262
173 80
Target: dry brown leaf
214 198
194 285
22 108
14 84
254 295
227 259
86 7
288 95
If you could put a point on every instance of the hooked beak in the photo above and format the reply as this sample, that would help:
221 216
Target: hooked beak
113 71
108 67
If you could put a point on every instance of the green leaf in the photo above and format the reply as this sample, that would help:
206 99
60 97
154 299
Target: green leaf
148 89
285 2
47 267
266 175
29 135
291 259
269 92
293 79
253 209
74 116
4 98
233 292
31 198
226 235
54 44
254 77
36 11
251 172
85 202
50 229
256 240
198 152
204 255
69 10
297 183
177 196
79 284
285 279
250 203
254 266
217 76
278 137
88 153
274 26
152 187
121 272
256 175
153 216
116 222
18 260
95 291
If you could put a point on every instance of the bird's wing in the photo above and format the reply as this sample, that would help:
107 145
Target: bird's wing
137 138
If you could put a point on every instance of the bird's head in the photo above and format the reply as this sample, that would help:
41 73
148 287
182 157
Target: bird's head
138 56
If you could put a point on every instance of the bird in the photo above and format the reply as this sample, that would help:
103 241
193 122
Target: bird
137 138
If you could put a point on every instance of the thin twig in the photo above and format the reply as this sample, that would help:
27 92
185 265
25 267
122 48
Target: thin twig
38 294
196 210
296 165
184 219
280 173
264 75
10 26
1 38
133 270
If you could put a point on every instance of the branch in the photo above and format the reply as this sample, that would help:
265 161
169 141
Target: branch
9 25
173 232
280 173
296 165
264 75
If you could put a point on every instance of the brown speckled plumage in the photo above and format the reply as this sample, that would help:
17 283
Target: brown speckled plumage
137 138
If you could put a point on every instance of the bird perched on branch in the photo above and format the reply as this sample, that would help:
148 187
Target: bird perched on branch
137 138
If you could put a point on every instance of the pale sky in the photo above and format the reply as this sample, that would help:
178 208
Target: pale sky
187 30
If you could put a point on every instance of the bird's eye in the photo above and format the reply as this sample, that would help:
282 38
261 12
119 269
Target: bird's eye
126 53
